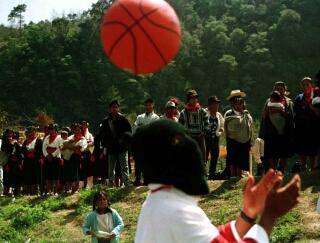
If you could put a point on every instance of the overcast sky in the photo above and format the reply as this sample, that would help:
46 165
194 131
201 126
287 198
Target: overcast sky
43 9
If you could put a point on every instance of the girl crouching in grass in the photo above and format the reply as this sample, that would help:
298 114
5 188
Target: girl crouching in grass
104 224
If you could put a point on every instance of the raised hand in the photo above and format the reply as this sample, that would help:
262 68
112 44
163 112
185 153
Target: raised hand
255 195
280 201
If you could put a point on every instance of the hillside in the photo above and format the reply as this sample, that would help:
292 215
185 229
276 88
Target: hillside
59 219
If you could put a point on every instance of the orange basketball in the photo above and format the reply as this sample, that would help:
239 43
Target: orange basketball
140 36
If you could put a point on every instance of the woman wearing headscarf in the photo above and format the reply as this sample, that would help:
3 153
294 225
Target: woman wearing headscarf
278 142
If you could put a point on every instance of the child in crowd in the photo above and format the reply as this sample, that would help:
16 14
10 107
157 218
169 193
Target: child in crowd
104 224
258 155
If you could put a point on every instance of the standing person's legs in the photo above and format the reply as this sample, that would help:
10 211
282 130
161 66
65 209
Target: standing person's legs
1 181
202 145
214 154
137 173
123 160
112 160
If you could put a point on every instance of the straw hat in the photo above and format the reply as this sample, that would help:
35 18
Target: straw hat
236 93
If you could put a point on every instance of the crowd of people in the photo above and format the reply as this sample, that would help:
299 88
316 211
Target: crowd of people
66 156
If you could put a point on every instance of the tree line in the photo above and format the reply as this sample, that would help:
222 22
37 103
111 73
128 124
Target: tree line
58 67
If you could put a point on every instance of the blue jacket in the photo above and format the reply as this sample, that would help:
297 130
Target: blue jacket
91 224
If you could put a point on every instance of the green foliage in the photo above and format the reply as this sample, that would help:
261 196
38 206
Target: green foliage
28 216
54 203
288 228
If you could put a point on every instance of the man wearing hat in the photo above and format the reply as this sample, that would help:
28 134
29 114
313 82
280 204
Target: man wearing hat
173 169
171 111
196 120
216 128
238 129
113 131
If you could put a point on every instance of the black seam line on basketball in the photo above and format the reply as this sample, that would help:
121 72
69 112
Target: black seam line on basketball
136 22
145 32
156 24
128 30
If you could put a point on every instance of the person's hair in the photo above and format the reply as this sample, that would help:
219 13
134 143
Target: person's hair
67 129
149 100
174 100
97 196
75 126
114 102
83 122
213 99
275 95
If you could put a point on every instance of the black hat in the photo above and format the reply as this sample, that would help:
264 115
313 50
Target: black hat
167 155
191 93
213 99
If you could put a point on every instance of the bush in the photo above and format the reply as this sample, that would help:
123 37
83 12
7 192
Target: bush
54 203
27 216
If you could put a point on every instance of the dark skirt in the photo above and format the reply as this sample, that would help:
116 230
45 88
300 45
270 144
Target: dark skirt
87 165
238 154
31 171
306 138
278 146
52 169
100 166
69 171
12 174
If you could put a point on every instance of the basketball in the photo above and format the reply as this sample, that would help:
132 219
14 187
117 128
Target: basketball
140 36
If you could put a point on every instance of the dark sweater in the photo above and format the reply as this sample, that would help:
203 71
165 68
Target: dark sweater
115 139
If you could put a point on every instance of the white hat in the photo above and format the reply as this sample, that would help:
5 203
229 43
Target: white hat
236 93
170 104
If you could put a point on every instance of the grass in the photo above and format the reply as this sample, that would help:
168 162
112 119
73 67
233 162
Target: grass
59 219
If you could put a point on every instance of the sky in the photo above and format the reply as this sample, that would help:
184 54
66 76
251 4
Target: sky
38 10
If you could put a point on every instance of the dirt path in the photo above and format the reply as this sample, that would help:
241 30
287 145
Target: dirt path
71 225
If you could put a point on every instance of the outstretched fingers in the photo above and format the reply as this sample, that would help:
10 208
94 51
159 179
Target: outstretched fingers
267 183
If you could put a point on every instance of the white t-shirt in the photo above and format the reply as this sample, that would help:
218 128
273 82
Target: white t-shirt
145 119
105 223
172 216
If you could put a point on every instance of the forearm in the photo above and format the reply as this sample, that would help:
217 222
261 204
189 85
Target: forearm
267 222
242 226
